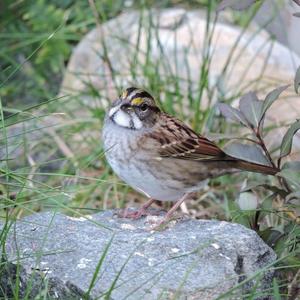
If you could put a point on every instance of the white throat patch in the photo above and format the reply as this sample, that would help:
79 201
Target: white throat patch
124 119
136 122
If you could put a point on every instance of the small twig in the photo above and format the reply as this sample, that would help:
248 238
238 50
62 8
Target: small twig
255 225
279 162
33 169
261 142
263 145
64 148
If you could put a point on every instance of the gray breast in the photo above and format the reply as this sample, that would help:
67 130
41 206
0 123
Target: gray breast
142 171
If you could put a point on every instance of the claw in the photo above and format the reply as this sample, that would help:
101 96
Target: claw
129 214
136 214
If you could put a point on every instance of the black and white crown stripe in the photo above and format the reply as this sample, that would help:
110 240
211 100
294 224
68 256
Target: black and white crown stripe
133 93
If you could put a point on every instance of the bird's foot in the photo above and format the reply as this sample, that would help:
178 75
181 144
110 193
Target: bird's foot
136 214
132 214
162 224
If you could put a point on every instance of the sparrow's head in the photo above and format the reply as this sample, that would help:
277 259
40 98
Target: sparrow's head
134 109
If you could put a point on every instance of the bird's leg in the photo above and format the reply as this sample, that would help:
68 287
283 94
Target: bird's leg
170 213
136 214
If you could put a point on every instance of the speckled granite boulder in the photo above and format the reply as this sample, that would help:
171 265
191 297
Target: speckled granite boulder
192 259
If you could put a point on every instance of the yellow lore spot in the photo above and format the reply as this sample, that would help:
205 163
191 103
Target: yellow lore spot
137 101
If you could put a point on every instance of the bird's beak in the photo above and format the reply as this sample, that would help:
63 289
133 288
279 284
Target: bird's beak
114 109
126 107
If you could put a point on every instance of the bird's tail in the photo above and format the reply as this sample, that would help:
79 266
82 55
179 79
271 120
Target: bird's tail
255 167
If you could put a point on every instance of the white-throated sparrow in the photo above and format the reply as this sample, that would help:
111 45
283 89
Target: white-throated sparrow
160 156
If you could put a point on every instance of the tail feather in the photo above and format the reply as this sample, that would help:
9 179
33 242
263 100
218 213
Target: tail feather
254 167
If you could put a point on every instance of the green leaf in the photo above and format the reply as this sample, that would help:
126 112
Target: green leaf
294 195
251 108
271 236
252 153
292 178
292 165
232 113
253 185
271 97
223 136
286 144
266 207
297 80
291 172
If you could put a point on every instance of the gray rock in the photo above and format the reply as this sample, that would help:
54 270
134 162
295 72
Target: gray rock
277 18
192 259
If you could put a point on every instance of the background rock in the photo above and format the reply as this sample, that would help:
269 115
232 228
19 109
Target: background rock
173 40
278 18
195 258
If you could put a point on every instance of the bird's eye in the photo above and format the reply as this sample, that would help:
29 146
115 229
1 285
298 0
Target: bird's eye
144 107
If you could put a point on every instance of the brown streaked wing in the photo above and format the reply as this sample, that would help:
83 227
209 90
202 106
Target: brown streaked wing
183 143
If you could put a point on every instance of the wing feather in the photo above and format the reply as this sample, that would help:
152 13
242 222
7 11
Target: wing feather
177 140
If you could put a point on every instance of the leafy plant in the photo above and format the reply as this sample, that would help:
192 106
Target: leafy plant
251 114
274 214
